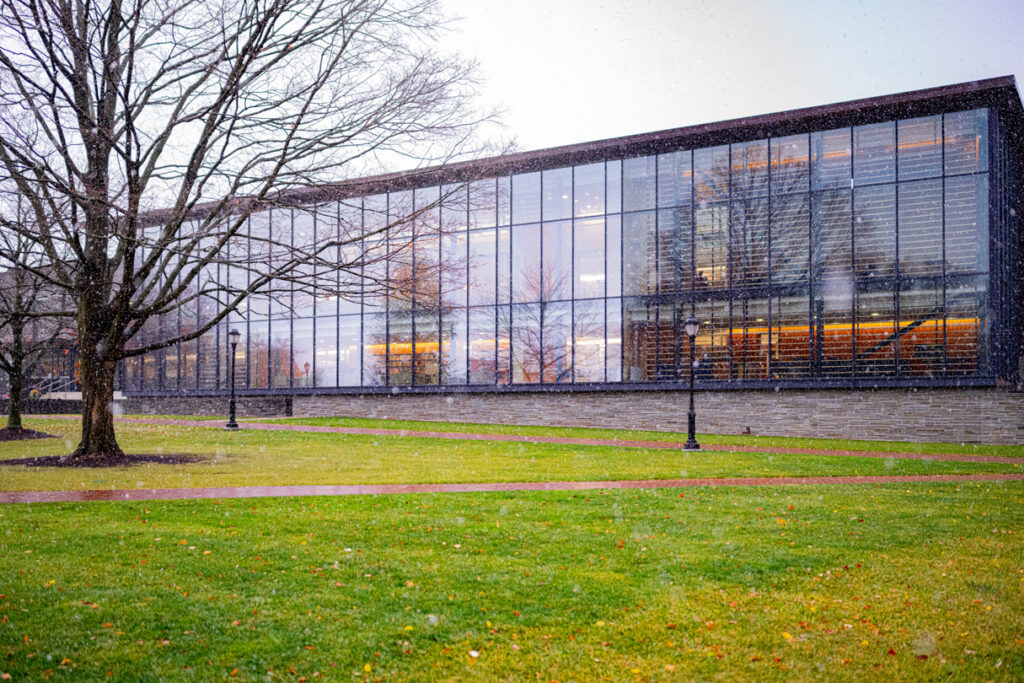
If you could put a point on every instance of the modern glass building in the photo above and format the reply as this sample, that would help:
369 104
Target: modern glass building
864 244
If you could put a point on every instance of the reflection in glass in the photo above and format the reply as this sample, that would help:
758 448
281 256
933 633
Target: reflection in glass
920 147
326 374
589 258
588 340
526 343
966 141
557 186
526 275
556 270
349 348
304 374
482 359
638 183
526 198
831 167
588 198
874 153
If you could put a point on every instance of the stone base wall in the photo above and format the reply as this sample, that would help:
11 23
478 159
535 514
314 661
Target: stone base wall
245 406
972 415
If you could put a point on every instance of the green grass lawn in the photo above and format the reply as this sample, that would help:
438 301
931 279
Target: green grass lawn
901 582
623 434
250 457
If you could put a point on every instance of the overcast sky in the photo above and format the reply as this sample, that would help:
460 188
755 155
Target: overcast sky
578 70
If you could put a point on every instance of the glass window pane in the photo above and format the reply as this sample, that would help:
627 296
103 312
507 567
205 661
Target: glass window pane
711 346
966 141
504 201
432 349
711 245
790 238
557 186
304 374
374 349
790 350
921 322
613 192
750 169
280 354
967 224
349 348
327 352
482 203
966 303
874 226
613 249
526 343
556 345
920 147
639 253
589 255
208 360
589 190
875 338
874 157
504 264
674 253
832 229
482 358
258 356
556 282
613 344
638 189
790 164
429 205
526 198
639 330
503 374
453 269
675 179
482 255
428 270
750 339
588 340
711 174
749 242
526 284
399 350
920 228
831 152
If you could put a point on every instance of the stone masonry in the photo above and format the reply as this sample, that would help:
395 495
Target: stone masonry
985 415
974 415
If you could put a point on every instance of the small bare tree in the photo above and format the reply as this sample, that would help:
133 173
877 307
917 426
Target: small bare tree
212 111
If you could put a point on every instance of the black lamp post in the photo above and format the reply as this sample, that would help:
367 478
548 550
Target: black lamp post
691 326
233 336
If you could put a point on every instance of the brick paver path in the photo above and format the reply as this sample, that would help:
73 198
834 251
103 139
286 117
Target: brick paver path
568 440
380 489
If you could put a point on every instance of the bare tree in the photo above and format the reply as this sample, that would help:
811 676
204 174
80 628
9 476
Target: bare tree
209 111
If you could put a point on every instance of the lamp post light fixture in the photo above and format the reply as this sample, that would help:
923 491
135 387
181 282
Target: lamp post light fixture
307 366
233 337
691 326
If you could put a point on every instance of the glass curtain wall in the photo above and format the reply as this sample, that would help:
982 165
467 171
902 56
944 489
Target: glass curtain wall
858 252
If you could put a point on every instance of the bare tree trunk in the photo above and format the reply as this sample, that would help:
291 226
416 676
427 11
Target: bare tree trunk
98 440
98 368
17 382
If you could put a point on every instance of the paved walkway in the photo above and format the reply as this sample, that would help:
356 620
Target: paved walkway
381 489
526 438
